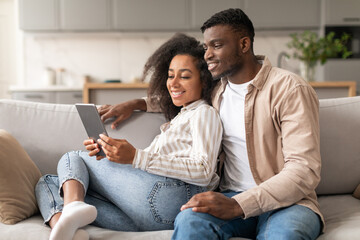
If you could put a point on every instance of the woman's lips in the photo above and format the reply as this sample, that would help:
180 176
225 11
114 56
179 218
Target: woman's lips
177 94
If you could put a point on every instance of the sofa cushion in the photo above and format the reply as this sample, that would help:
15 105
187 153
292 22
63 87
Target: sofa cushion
339 145
18 177
342 217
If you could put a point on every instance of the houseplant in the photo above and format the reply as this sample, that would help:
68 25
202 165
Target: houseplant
310 49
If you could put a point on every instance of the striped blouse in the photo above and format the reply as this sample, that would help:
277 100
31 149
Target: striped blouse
187 147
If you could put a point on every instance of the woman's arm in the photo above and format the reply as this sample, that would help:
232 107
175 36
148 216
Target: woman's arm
195 164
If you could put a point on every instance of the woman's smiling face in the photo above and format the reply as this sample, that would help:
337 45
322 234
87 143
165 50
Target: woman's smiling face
184 83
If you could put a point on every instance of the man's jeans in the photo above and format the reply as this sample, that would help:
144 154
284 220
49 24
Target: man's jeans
291 223
126 199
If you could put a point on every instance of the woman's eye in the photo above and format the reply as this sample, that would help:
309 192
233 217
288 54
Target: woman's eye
170 77
185 77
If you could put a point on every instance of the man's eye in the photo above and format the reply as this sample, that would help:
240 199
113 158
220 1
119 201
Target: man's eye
217 45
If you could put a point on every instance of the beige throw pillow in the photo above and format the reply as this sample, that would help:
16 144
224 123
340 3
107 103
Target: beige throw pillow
357 192
18 177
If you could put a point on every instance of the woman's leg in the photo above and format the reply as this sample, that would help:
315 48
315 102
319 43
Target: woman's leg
74 180
51 205
151 202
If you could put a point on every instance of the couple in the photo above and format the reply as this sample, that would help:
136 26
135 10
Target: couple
269 136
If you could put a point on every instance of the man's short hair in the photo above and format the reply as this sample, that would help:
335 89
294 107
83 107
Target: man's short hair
235 18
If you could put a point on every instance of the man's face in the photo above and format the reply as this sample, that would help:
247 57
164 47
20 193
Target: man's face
222 51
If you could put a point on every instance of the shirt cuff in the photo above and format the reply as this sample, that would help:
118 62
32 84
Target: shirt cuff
141 159
248 204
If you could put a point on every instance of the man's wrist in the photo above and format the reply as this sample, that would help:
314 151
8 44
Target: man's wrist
238 211
138 104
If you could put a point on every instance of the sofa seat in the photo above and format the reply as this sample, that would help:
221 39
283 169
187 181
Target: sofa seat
342 217
341 214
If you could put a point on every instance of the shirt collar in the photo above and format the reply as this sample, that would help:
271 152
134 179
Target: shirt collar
193 105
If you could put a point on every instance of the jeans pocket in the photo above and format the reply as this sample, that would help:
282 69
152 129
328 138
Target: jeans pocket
166 198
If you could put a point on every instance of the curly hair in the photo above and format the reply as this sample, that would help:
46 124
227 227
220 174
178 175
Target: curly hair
235 18
157 67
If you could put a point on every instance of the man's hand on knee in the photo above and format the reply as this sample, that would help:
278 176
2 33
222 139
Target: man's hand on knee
215 204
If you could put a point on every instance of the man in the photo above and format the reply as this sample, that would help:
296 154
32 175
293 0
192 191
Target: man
271 143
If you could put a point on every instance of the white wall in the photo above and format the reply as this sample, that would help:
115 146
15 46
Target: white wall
8 73
111 56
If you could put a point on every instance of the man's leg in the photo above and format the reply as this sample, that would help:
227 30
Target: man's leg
294 222
193 225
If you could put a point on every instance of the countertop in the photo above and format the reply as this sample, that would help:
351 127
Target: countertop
15 88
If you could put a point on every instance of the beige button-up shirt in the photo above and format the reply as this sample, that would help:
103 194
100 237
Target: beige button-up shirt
283 141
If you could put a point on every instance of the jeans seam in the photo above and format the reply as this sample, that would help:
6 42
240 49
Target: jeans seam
152 200
70 174
54 208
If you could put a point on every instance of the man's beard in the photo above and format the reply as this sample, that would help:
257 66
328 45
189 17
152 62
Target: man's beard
231 71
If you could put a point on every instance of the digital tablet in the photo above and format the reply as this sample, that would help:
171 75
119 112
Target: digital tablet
92 122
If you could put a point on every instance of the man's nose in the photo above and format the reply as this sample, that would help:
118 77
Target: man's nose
208 54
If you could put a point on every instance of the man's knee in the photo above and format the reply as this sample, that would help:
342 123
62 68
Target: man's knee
185 216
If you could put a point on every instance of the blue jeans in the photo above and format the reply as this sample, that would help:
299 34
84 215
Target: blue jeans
294 222
126 199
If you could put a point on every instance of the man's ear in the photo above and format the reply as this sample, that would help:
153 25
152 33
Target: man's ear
245 44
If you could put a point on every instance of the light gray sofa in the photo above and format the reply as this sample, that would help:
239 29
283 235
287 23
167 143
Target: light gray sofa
47 131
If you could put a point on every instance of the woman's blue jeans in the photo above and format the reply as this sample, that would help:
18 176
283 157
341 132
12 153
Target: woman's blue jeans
126 199
292 223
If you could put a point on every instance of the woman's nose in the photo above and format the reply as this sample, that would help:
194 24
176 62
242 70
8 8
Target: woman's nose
175 81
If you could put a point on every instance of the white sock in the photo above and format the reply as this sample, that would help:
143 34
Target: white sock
74 215
81 234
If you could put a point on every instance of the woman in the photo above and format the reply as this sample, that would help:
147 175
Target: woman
142 190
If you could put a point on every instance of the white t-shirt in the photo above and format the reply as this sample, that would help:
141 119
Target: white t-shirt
237 174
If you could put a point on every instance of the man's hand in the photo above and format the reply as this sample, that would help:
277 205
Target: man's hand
117 150
215 204
121 111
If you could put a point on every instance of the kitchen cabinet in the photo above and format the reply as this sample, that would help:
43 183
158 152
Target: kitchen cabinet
135 15
47 95
173 15
342 12
201 10
64 15
84 15
38 15
283 14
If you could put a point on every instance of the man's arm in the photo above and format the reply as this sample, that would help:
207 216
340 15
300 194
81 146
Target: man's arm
121 111
215 204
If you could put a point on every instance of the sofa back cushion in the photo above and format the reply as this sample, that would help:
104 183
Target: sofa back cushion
47 131
339 145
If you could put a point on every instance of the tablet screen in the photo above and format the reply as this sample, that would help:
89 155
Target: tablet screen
92 122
